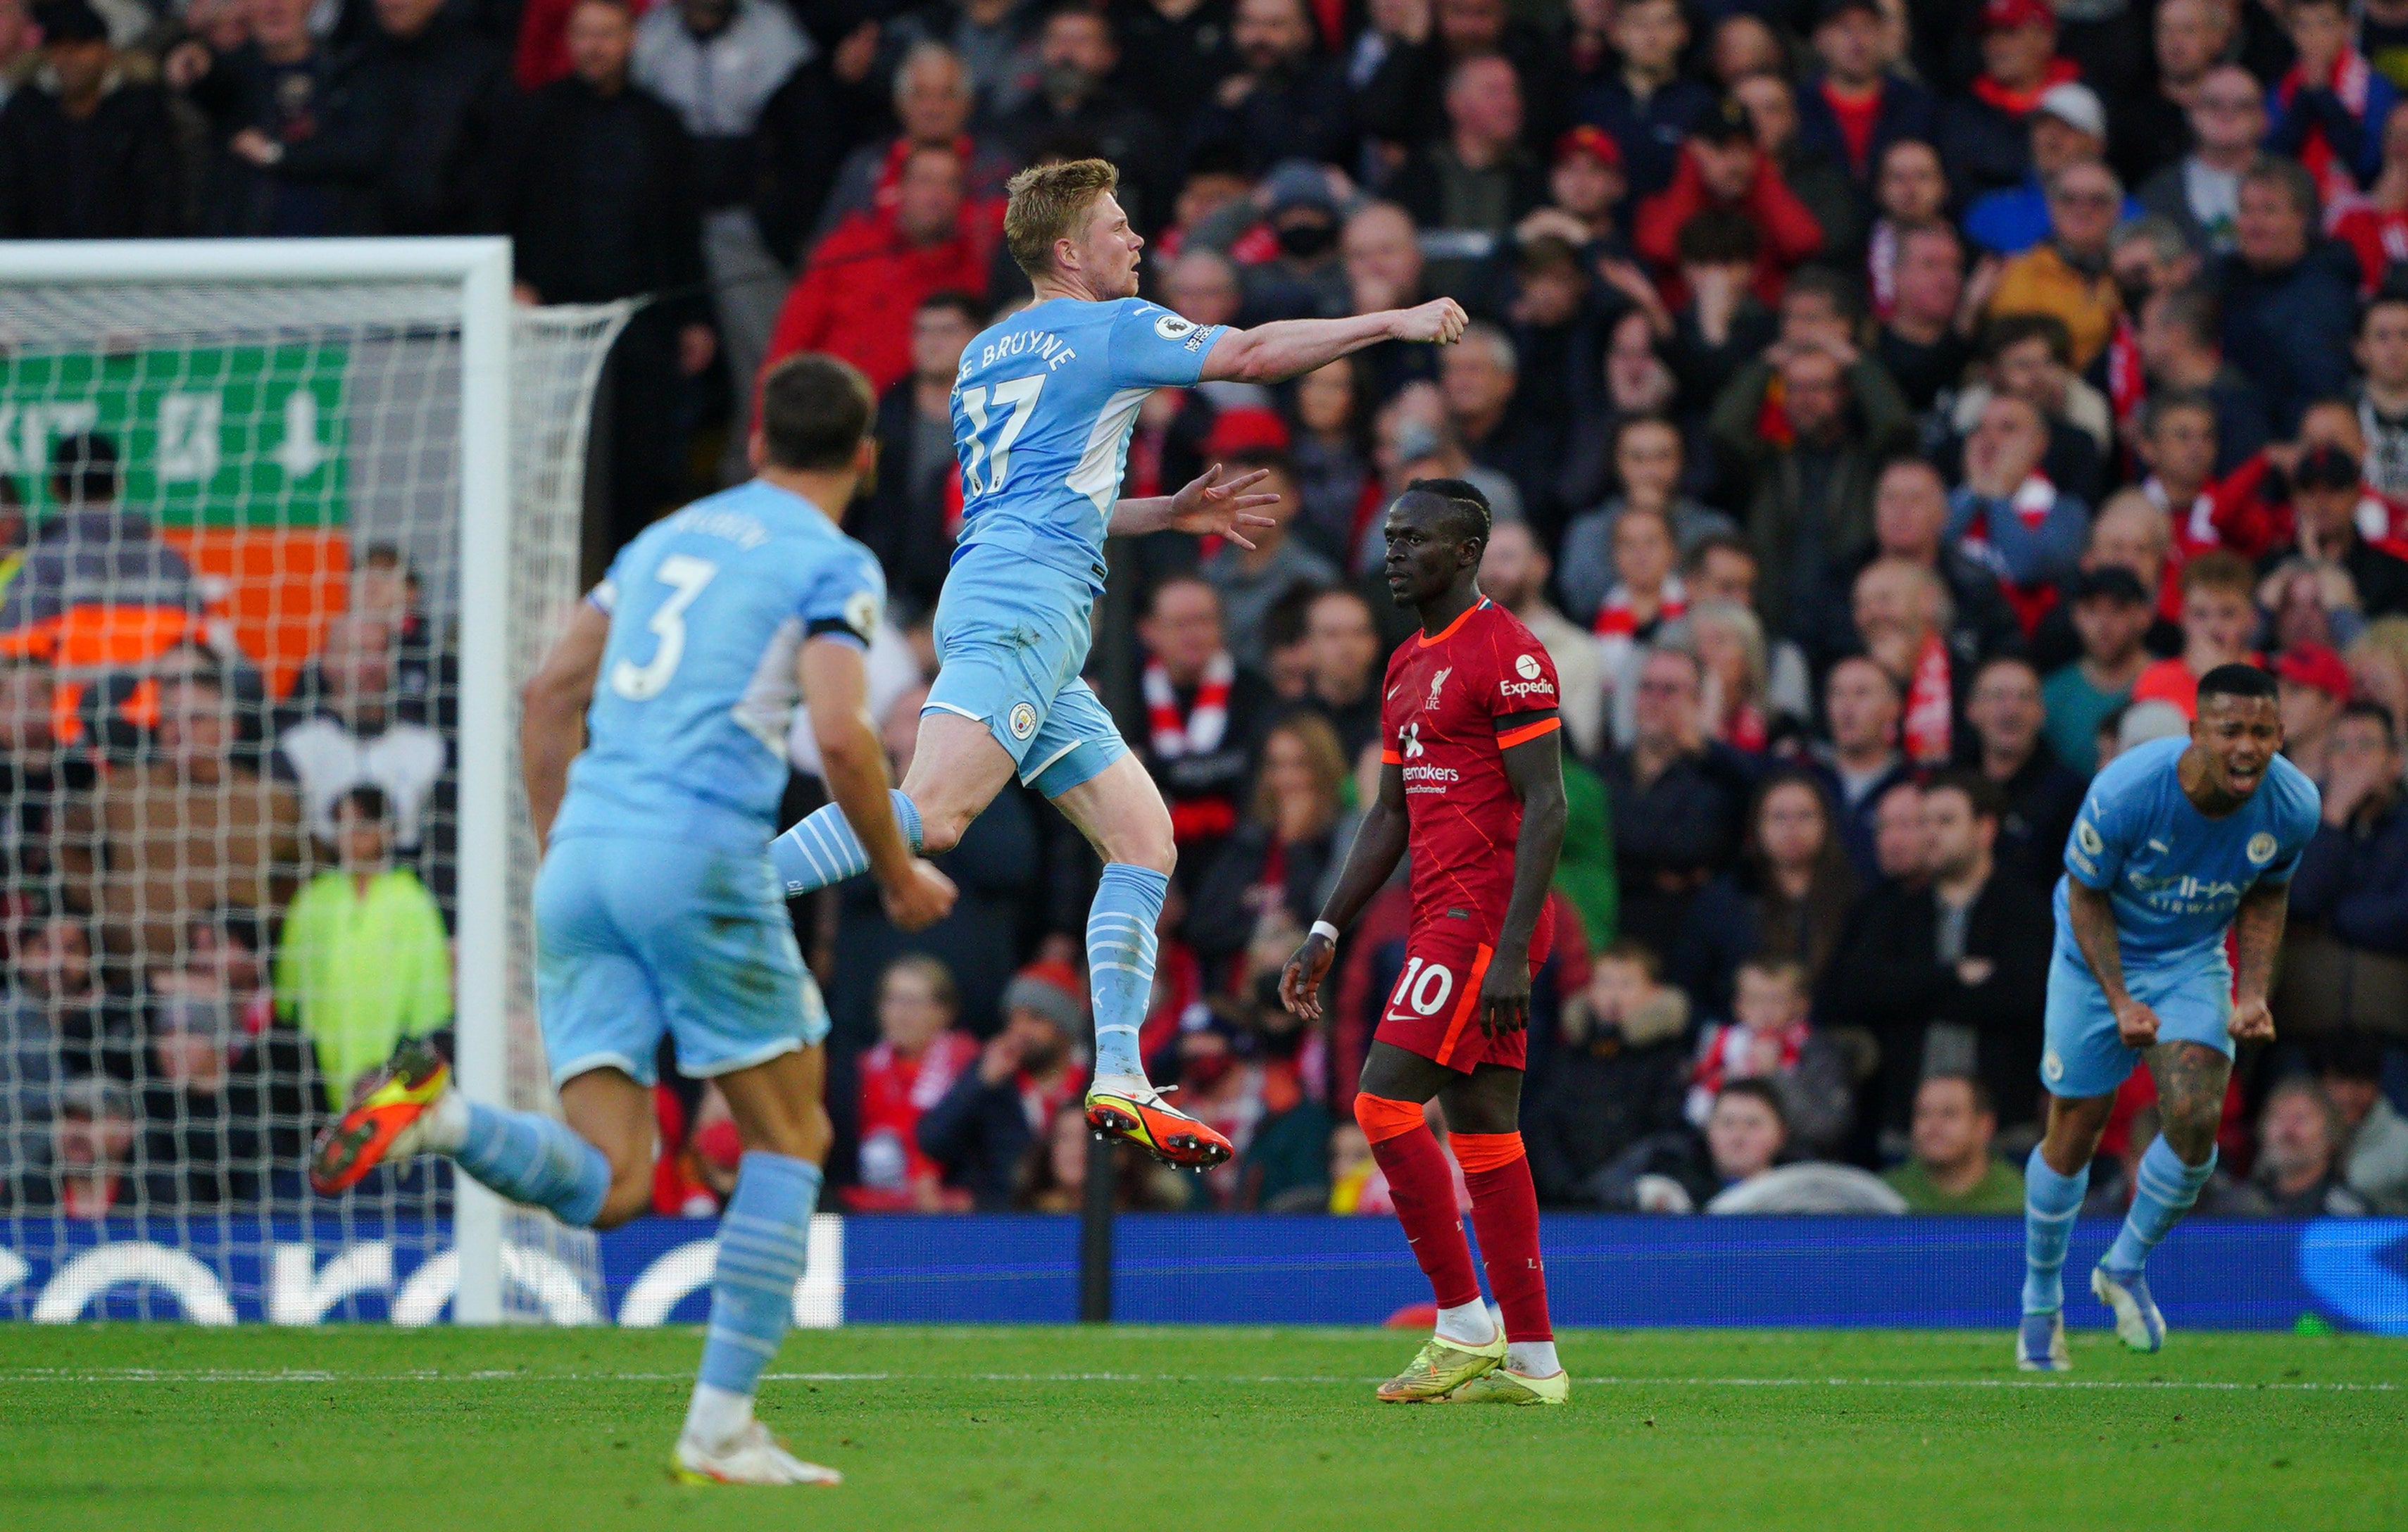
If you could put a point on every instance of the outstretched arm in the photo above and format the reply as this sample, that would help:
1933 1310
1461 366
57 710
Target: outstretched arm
1290 348
2257 935
1535 770
1379 845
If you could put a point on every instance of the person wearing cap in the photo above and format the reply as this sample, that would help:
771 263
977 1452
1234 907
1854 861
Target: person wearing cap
2110 612
1721 167
1586 188
2069 128
2325 488
2200 192
1854 108
1984 139
1645 103
2067 274
1306 277
85 153
2312 686
980 1129
1285 101
2329 109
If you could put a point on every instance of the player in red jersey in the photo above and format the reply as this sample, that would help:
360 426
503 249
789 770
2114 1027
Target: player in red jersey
1472 777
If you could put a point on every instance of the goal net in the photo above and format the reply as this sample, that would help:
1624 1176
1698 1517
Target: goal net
286 525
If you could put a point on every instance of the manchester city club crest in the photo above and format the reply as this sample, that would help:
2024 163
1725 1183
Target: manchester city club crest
2261 848
1021 719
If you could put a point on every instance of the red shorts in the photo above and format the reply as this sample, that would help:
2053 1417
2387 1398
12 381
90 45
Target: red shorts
1434 1009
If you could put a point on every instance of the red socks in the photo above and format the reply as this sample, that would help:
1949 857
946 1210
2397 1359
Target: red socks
1505 1214
1422 1185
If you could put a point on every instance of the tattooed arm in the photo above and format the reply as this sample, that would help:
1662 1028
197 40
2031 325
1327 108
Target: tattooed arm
2258 934
2092 915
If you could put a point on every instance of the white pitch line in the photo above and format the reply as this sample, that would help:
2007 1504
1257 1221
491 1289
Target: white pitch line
162 1375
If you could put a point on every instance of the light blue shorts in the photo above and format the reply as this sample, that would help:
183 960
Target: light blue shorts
635 938
2085 1056
1011 637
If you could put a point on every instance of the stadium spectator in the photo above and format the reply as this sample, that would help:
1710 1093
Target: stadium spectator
1648 462
2131 534
98 587
1901 616
2064 270
1902 849
2110 614
2029 357
1250 581
2217 623
2008 745
298 138
932 103
602 203
2325 491
1381 250
1911 513
1270 872
1909 191
1645 103
2289 295
353 738
1746 1132
2068 128
1730 644
1721 570
2174 437
1645 598
1476 179
2346 954
1857 107
201 1098
2150 127
2329 111
57 1027
1948 976
40 775
1983 137
2314 686
1949 1168
1788 900
716 63
2382 393
867 278
364 961
1812 176
184 830
980 1129
447 86
905 518
1204 718
1922 340
1052 1175
1678 798
1514 571
2375 1164
2299 1170
1479 382
1861 760
1615 1078
86 151
2225 122
1767 1037
1721 169
918 1057
2009 514
1305 276
2180 349
1806 476
1343 666
97 1159
1281 101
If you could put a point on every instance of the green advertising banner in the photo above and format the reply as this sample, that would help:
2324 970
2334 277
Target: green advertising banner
227 436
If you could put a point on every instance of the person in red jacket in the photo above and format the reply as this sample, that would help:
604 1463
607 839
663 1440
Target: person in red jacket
1720 167
919 1056
857 296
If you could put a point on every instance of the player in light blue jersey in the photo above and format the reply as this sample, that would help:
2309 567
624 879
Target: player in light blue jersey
1042 407
2178 842
657 910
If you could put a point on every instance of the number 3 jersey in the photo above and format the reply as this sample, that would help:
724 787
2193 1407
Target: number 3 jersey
1447 715
1044 405
686 738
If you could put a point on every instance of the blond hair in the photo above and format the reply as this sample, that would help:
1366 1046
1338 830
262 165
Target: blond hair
1049 202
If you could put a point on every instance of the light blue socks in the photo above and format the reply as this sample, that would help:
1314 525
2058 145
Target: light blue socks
2164 1190
531 1159
822 848
2051 1204
1120 961
764 1238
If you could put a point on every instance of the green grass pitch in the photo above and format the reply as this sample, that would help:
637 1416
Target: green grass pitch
343 1429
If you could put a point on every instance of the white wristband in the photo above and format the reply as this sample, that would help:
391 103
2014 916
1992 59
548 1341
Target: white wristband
1323 929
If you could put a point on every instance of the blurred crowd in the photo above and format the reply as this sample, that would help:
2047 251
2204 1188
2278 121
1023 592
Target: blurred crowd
1891 408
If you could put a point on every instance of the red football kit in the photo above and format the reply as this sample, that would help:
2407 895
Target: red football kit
1446 720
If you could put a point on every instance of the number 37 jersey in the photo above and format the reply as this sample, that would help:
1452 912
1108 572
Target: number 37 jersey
686 738
1044 405
1448 714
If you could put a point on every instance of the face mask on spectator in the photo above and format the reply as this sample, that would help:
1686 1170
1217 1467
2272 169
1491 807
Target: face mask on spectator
1307 239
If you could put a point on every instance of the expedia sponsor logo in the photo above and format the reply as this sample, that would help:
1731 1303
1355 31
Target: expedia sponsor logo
1542 687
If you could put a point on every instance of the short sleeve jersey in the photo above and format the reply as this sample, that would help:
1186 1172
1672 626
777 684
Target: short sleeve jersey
1447 716
2173 876
1044 405
686 738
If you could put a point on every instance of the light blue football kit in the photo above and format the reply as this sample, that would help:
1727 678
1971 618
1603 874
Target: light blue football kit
656 910
2175 877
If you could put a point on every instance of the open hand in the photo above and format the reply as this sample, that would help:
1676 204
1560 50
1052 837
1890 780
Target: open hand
1205 504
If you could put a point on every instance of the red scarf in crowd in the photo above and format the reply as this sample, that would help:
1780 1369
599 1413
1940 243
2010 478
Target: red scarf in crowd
2127 384
1726 1057
2350 78
1617 621
2031 503
2194 527
2020 103
1931 705
1197 730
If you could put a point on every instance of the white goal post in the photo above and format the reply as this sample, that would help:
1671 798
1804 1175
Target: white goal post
487 428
